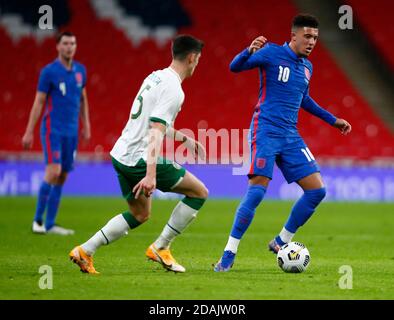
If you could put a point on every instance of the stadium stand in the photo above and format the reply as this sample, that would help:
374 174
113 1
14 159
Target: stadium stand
378 26
120 45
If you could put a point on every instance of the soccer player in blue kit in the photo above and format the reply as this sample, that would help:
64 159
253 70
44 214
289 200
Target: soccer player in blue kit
61 88
285 73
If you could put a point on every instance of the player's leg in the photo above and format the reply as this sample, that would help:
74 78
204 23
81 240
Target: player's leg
51 149
67 155
259 176
299 165
171 177
114 229
246 210
243 218
185 211
314 193
118 226
53 206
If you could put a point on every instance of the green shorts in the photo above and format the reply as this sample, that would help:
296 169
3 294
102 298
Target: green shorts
168 175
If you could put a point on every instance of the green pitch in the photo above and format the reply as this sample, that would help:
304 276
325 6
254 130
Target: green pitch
358 235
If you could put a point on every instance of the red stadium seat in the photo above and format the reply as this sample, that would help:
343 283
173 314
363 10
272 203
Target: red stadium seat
375 18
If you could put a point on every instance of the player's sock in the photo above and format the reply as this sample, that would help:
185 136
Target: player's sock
244 215
232 244
42 201
182 215
53 206
284 237
302 211
115 228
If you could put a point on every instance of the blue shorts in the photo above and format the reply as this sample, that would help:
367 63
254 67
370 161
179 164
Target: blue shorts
59 149
291 155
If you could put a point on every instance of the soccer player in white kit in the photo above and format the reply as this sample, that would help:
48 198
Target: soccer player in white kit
140 169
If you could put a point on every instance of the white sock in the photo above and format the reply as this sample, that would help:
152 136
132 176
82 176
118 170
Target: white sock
181 217
232 244
286 236
115 228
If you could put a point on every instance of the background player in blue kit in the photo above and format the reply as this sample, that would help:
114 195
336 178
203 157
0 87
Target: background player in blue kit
61 88
285 73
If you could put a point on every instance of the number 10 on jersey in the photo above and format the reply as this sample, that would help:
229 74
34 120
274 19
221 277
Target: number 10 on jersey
284 73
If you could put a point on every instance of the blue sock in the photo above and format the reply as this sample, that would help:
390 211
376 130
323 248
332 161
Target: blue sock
304 208
246 210
53 205
42 200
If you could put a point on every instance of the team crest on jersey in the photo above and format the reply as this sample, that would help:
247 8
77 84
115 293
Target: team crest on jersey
307 73
79 78
260 163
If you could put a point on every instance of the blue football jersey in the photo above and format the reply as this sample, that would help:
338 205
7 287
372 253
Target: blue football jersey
284 88
64 89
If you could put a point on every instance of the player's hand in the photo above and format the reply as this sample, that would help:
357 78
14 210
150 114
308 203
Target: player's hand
343 126
257 44
147 185
27 140
196 148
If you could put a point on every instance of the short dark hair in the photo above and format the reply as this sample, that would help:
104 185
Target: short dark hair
184 44
64 34
305 20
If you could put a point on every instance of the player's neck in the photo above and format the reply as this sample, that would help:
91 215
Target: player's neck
292 47
179 69
67 63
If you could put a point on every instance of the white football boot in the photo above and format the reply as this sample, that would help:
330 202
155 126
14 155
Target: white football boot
38 228
60 231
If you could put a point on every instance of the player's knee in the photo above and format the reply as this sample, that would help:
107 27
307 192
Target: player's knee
201 192
53 175
204 193
316 195
260 180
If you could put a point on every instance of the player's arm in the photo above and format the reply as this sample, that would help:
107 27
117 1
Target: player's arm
86 132
155 140
35 113
312 107
250 57
194 146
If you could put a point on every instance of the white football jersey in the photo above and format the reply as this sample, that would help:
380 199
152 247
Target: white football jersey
159 99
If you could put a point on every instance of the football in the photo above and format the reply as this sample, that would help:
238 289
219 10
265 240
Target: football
293 257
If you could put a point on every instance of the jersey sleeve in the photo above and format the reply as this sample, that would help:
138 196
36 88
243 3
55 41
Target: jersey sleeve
312 107
44 81
246 61
167 106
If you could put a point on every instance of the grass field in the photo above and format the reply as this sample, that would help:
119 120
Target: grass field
359 235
